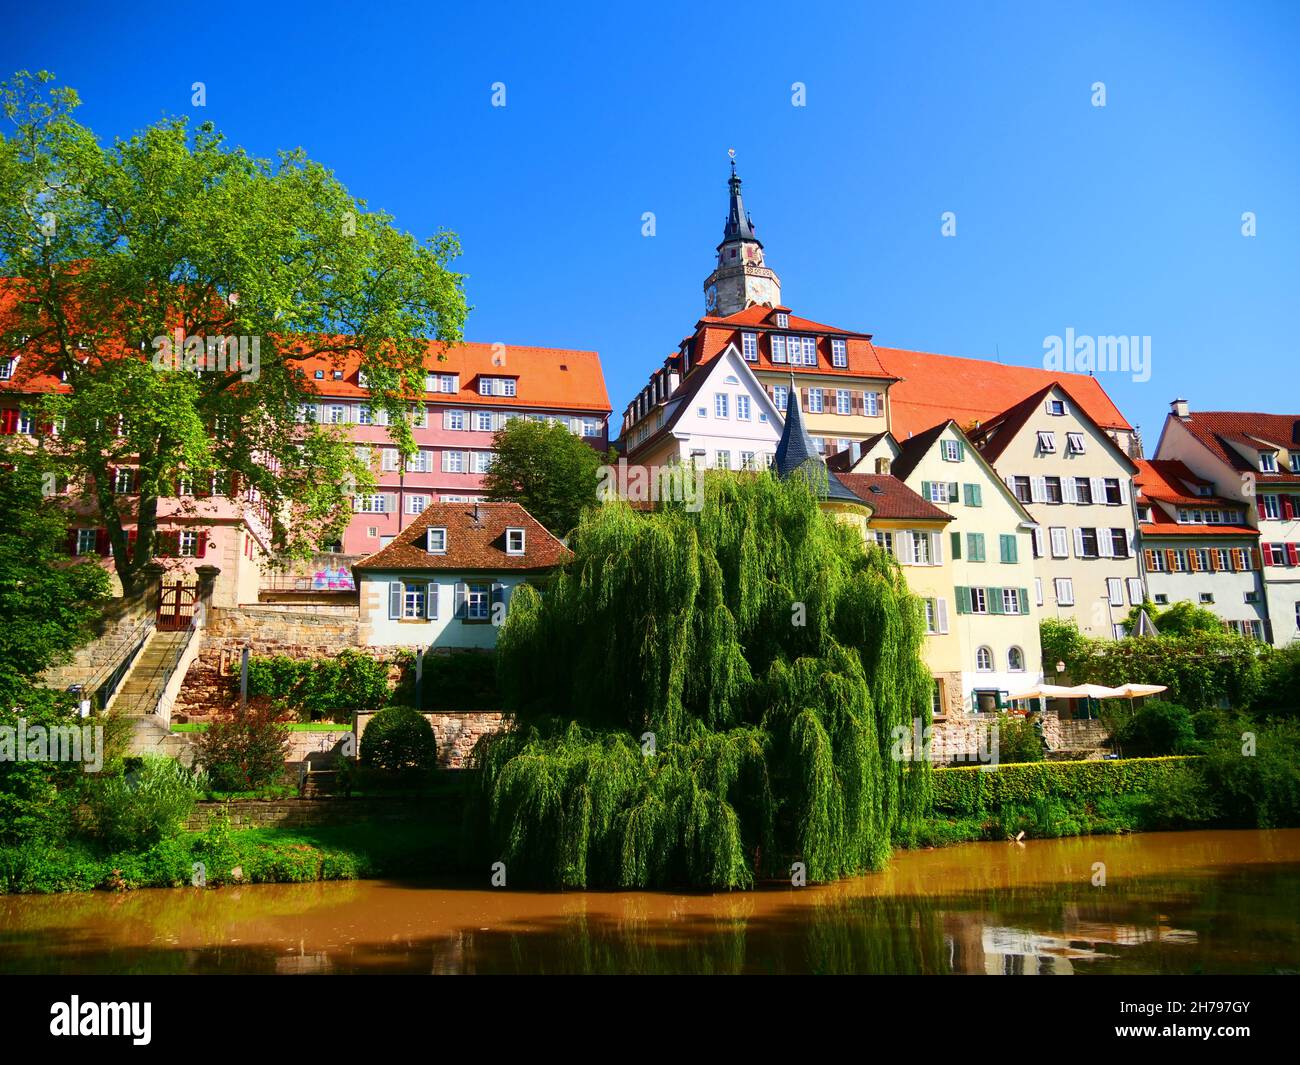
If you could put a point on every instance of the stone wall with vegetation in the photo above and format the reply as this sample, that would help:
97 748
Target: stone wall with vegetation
456 732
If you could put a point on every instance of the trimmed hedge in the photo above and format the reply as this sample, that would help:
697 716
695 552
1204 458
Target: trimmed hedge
972 791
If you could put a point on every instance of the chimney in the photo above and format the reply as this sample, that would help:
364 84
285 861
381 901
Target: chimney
882 465
1179 408
478 515
855 452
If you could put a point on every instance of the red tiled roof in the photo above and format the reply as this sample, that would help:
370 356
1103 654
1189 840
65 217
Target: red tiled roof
712 335
933 388
471 545
890 497
993 436
1160 483
1214 427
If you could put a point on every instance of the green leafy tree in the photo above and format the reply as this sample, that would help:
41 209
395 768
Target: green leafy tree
705 696
547 470
1180 619
111 250
48 601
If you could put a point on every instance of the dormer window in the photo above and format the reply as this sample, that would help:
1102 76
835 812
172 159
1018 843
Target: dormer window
515 541
436 544
1144 513
338 375
496 386
1056 407
1268 462
319 375
362 380
7 367
441 382
839 352
782 320
749 346
1295 462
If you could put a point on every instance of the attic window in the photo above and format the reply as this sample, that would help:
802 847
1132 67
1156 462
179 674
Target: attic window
514 541
320 375
437 541
1268 462
338 375
782 320
1056 406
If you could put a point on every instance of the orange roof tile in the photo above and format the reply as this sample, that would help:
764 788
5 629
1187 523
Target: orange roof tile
1214 427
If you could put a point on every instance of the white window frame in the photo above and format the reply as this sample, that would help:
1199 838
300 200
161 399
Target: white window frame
1063 589
516 540
1046 442
435 540
839 353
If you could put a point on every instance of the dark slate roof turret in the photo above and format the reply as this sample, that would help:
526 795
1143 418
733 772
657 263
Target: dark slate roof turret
797 452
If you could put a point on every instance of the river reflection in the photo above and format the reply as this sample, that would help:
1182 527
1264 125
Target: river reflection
1217 902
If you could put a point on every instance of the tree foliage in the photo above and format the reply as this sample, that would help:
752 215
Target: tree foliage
547 470
703 697
110 249
1180 619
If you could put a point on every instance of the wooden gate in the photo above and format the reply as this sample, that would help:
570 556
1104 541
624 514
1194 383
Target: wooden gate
176 607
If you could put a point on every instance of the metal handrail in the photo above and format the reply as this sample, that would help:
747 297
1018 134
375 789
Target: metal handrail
100 688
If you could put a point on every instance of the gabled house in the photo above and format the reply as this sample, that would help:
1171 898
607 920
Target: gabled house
995 595
1251 459
1198 546
1075 479
445 581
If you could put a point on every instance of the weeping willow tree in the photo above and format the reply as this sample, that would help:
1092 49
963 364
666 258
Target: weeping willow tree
705 698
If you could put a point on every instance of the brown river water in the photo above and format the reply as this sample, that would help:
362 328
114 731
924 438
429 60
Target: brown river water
1187 902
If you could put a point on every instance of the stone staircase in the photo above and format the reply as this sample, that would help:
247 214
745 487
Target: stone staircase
150 736
143 686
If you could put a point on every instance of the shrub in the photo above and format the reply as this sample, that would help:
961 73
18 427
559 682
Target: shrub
245 751
326 687
1279 694
1259 789
146 800
463 681
1018 739
399 738
1157 728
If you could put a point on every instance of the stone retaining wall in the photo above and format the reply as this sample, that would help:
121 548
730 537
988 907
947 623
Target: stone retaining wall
306 813
456 732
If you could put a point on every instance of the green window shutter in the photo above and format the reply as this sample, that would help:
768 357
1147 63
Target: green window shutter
963 600
1008 548
976 545
925 491
956 545
1024 600
973 496
995 601
954 492
961 451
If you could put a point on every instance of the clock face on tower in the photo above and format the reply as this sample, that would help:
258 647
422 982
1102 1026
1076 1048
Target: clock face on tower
711 297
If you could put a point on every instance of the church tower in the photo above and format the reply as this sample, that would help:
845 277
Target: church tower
740 279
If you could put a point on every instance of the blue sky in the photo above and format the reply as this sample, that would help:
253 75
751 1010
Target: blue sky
1123 219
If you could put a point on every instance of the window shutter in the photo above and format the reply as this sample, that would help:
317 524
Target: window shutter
1214 562
1193 561
390 502
394 599
961 450
1105 545
1078 543
1123 490
101 542
1024 600
1259 558
954 492
201 548
431 598
925 491
1292 555
956 545
1151 559
461 600
1169 559
936 548
446 419
9 421
1098 489
1259 500
1010 480
1288 509
941 615
995 601
1040 547
977 496
1038 489
498 596
904 539
1069 490
963 600
72 541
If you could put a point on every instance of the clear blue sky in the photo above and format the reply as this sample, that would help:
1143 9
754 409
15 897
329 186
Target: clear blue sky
1117 220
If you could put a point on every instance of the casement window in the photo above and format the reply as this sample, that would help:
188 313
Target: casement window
1268 462
483 420
7 367
939 491
1011 601
806 345
1118 543
972 495
936 616
871 404
749 346
984 660
87 540
1085 543
885 540
743 408
364 416
477 602
1179 561
1220 559
515 541
124 480
412 600
722 460
1157 562
1115 591
420 462
590 427
1016 660
975 547
1135 596
416 504
920 549
372 503
780 397
747 460
1064 590
448 383
435 540
1056 407
979 601
1246 559
1007 545
453 419
952 451
187 544
1052 487
1074 443
720 404
453 462
1022 488
1161 599
1046 442
839 352
814 401
336 414
782 320
388 459
843 401
1115 491
1060 542
778 348
481 461
1270 507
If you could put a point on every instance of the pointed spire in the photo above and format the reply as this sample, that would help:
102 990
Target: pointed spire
797 452
739 225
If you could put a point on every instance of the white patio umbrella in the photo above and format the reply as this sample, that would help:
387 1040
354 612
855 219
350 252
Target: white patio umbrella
1139 691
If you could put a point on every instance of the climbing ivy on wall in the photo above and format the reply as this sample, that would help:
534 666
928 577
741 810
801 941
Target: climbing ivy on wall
702 698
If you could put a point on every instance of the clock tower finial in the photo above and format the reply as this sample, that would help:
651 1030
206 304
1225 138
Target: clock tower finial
740 278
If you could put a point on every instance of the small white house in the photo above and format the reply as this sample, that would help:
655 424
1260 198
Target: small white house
446 579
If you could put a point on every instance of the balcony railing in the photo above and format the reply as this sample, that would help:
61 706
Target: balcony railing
324 573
